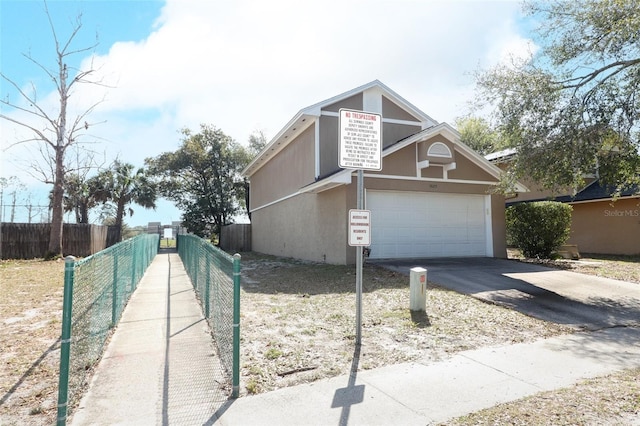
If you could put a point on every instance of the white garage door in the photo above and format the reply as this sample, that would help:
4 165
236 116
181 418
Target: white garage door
417 224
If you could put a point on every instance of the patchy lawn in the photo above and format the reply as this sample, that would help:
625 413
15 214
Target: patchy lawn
298 322
298 325
30 318
624 268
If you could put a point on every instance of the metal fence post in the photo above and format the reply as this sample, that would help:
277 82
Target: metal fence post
65 341
134 270
236 327
114 296
196 263
207 288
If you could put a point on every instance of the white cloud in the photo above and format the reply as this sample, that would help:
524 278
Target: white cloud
247 65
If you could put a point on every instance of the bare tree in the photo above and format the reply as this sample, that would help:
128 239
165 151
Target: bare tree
58 134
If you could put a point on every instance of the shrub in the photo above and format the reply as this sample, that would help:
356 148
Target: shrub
538 228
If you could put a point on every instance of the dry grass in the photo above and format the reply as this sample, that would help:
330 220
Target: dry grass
610 400
298 325
298 322
30 315
624 268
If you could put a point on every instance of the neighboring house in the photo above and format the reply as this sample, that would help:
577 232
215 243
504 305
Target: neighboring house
432 198
600 224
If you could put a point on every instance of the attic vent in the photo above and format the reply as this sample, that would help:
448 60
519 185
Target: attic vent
438 149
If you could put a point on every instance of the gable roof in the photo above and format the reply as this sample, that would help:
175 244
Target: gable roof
343 176
306 117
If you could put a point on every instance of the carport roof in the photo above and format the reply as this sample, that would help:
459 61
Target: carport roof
595 191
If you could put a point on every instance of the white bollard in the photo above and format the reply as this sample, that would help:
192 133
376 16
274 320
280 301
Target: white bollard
418 289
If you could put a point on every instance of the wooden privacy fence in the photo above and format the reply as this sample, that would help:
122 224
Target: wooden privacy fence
236 237
31 240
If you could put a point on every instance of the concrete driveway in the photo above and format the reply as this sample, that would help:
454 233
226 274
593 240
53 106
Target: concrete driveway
562 297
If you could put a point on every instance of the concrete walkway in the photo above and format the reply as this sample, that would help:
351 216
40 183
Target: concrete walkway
160 369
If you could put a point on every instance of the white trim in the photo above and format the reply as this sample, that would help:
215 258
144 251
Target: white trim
330 113
446 168
422 165
405 122
341 178
275 202
438 145
488 224
280 141
372 100
384 119
396 177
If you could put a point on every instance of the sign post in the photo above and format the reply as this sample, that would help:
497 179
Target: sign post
360 149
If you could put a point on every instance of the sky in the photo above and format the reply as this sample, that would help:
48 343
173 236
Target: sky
242 66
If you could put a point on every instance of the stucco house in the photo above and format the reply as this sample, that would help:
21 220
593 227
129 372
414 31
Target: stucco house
600 223
432 198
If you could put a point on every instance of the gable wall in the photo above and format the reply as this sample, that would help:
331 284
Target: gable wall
329 132
391 110
287 172
400 163
328 145
392 133
468 170
354 102
403 163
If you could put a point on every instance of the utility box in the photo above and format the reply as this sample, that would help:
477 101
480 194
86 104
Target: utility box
418 289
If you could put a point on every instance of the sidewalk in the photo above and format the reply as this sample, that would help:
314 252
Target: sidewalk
416 394
159 369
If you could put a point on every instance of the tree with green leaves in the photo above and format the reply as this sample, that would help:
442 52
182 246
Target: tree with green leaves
477 133
573 108
79 196
122 185
203 178
257 142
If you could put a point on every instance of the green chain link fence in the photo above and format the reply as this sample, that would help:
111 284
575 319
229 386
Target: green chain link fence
96 291
215 275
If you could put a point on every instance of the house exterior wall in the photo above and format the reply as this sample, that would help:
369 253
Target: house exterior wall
314 226
498 226
604 227
307 226
287 172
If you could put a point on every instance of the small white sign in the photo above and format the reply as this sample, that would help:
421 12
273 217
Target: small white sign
168 233
360 140
359 227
